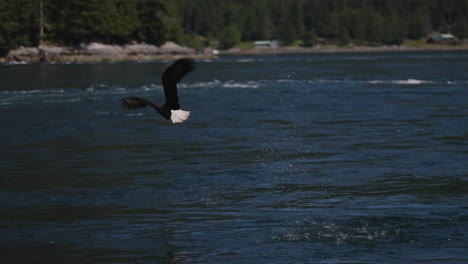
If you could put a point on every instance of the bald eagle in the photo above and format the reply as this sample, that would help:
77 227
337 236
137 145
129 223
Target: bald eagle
171 108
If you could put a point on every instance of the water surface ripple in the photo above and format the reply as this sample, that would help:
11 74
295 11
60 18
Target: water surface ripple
347 158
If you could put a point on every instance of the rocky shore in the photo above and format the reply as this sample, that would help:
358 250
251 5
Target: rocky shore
96 52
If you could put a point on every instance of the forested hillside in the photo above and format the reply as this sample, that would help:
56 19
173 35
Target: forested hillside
201 22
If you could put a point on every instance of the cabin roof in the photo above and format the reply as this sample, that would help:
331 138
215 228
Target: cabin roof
264 42
443 37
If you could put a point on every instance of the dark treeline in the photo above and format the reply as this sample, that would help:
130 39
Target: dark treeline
71 22
200 22
343 21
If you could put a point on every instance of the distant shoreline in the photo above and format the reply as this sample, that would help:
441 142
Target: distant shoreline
335 49
95 52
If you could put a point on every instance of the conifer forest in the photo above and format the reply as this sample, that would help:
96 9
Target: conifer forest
227 22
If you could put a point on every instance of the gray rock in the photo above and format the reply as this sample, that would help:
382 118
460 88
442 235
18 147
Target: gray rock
22 54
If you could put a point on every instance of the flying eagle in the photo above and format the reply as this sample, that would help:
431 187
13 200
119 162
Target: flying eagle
171 108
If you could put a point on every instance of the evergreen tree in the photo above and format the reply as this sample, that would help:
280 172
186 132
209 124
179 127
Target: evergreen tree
206 17
230 37
419 22
257 23
296 16
309 38
159 21
460 28
359 27
332 28
268 27
417 27
115 21
316 16
374 28
18 24
285 32
71 22
344 37
392 33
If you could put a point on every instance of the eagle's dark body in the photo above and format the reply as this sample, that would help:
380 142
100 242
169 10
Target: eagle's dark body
171 108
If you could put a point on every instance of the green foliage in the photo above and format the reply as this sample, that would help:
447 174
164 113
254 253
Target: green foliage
332 26
246 45
374 29
309 38
419 43
344 37
18 25
159 21
257 24
418 26
460 28
392 34
115 21
291 22
112 21
230 37
194 41
71 22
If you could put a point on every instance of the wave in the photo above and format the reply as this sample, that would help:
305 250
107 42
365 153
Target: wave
102 112
65 100
245 60
16 63
395 82
208 84
96 91
249 84
223 84
37 91
408 81
135 114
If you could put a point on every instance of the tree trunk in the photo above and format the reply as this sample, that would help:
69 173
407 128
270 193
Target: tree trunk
41 22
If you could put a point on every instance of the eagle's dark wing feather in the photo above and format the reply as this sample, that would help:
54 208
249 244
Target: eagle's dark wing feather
171 76
133 102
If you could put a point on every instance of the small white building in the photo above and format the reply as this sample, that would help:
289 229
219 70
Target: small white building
266 44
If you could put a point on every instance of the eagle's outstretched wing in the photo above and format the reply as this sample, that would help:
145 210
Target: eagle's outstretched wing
171 76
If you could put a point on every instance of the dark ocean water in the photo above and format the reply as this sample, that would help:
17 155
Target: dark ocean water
335 158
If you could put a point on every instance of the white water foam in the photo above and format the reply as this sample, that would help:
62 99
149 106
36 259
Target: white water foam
410 81
65 100
135 114
400 82
233 84
75 95
403 82
209 84
217 83
35 92
151 87
16 63
102 112
248 60
335 232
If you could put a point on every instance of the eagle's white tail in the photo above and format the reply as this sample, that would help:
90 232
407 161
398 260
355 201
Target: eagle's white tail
179 116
